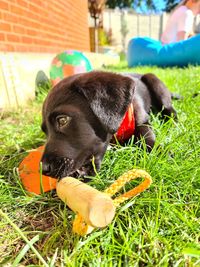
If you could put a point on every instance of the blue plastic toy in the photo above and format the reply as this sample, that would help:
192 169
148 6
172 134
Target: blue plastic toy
147 51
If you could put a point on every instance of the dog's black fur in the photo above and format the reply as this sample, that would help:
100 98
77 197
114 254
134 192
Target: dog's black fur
82 112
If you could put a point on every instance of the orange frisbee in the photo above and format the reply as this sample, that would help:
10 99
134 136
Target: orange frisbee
30 175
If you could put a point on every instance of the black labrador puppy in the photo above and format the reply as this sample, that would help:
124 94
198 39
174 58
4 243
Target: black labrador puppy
83 112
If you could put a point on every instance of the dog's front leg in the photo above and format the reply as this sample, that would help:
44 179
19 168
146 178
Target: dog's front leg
145 131
142 126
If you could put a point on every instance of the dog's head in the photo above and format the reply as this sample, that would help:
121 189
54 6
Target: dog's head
80 114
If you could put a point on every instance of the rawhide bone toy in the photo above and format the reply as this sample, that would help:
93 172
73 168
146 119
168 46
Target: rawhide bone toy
94 209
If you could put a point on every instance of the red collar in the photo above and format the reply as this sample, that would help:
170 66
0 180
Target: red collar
127 127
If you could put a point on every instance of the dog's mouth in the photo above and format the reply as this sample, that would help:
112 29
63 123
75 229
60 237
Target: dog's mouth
83 172
66 167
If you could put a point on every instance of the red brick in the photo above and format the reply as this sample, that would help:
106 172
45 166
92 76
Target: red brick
7 47
5 27
18 10
21 48
4 5
31 15
27 22
9 17
2 37
22 3
34 8
12 38
31 32
19 29
39 2
27 40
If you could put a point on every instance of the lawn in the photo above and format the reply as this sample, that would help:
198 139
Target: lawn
160 227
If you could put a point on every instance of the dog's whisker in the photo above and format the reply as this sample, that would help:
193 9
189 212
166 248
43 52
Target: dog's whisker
64 165
59 169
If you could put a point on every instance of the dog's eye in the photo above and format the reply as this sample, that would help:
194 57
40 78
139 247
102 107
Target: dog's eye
62 120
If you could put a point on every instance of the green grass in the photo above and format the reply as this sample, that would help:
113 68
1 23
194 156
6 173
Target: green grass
160 227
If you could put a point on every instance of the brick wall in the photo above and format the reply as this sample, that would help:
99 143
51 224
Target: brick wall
43 25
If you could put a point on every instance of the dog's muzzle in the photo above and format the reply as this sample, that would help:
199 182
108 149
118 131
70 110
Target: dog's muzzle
56 167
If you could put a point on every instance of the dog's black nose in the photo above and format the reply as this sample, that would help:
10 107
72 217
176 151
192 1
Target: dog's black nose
46 168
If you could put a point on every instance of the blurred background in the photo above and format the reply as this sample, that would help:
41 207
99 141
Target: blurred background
32 32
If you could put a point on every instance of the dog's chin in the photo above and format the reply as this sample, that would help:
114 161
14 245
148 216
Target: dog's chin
82 172
65 167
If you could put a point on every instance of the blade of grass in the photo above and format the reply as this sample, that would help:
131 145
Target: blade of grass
24 238
24 251
53 260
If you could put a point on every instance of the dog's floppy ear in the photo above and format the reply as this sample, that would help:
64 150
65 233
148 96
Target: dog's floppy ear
108 95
